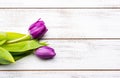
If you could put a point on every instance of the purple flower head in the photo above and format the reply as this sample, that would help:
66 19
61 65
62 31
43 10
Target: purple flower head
38 29
45 52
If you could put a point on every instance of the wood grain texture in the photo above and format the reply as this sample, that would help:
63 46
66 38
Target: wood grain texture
65 23
59 74
84 33
59 3
74 54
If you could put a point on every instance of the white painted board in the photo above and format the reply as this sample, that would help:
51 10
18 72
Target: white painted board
65 23
59 3
59 74
74 54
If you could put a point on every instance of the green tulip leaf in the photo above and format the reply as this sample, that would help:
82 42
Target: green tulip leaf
10 35
22 46
3 36
5 57
13 35
21 53
18 56
24 38
2 42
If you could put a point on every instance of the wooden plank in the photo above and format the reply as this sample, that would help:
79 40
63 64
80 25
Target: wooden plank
74 55
59 3
59 74
65 23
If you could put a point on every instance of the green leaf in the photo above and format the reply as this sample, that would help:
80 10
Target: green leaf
26 37
3 36
2 42
14 35
21 53
5 57
18 56
10 35
22 46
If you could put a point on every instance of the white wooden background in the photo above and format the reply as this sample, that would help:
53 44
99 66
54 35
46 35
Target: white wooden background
84 33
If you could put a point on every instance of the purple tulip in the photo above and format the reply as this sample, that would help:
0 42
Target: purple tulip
45 52
37 29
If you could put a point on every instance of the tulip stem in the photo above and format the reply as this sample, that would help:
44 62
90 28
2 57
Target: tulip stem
43 43
26 37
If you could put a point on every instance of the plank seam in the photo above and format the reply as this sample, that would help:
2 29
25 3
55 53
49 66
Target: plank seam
59 7
64 70
80 38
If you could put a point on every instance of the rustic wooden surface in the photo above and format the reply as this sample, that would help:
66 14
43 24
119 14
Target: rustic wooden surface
84 33
59 3
59 74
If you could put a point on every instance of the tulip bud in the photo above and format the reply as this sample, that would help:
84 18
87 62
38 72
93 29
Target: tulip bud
37 29
45 52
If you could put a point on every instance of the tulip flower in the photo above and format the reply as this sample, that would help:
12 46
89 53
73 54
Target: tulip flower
36 31
45 52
